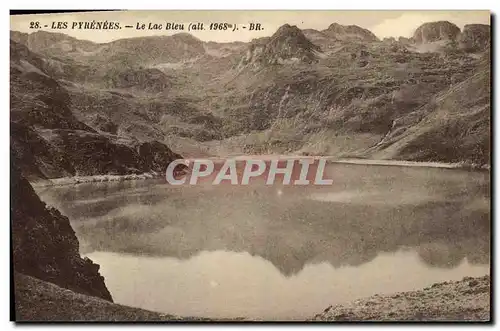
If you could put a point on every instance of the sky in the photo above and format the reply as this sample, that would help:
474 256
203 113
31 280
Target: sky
381 23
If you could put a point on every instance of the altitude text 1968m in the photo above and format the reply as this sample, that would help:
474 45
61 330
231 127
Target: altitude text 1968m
167 26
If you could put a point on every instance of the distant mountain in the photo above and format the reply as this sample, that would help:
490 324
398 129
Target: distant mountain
349 33
340 91
446 37
128 52
148 50
287 45
337 35
436 31
53 43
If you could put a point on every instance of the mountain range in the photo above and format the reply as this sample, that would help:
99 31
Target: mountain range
132 105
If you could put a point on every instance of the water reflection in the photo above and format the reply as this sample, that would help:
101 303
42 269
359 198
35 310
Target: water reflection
221 284
443 215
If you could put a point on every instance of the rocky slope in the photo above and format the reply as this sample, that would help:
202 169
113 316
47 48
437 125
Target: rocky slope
48 140
465 300
40 301
340 91
45 246
454 128
341 105
37 301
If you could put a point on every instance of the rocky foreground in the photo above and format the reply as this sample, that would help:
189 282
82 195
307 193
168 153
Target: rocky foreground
37 300
465 300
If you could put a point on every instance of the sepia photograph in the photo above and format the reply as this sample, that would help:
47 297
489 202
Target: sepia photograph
316 166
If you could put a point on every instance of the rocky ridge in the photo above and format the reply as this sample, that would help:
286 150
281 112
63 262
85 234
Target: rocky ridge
45 246
48 140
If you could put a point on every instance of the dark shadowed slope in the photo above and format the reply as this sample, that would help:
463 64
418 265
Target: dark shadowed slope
454 127
48 141
45 246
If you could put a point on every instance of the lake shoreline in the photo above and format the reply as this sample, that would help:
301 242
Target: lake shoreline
424 164
74 180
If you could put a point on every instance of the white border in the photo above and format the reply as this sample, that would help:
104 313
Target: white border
192 5
262 4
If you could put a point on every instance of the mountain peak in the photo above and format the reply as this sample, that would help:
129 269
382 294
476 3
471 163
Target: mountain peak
287 29
291 38
291 33
287 44
349 32
436 31
335 27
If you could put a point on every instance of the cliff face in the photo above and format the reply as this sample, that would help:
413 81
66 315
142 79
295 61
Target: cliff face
435 31
45 246
475 37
